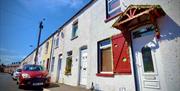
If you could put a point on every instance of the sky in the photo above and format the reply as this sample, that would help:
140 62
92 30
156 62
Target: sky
19 24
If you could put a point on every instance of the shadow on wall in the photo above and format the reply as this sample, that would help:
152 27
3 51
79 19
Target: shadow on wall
169 29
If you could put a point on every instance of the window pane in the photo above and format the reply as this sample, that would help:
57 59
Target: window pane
57 42
114 12
106 60
52 64
113 8
143 32
147 59
113 4
74 30
105 42
68 66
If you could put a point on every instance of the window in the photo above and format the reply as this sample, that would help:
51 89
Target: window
33 68
56 42
68 63
112 8
105 56
47 64
147 59
74 30
47 45
144 32
52 64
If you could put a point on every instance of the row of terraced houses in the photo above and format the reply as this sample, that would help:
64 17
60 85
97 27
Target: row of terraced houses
116 45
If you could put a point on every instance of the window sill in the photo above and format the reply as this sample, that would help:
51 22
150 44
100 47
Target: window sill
128 73
105 75
110 18
74 37
67 74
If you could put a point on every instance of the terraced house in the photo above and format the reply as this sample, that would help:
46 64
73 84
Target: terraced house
29 59
118 45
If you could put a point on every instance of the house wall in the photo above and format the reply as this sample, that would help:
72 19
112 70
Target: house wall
100 31
28 60
39 60
56 51
75 45
46 56
168 51
168 46
168 59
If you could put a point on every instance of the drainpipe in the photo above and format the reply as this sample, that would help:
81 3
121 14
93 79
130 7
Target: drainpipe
92 87
134 67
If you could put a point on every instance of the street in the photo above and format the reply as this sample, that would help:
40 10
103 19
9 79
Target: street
8 84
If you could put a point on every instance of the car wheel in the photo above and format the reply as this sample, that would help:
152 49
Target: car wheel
46 85
20 86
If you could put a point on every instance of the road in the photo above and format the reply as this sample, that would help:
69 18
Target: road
8 84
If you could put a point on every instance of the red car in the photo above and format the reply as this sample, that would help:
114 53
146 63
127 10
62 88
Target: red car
33 75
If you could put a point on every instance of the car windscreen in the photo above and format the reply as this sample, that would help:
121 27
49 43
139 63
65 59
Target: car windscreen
33 68
18 70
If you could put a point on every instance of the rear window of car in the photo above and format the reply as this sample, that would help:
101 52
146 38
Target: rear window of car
33 68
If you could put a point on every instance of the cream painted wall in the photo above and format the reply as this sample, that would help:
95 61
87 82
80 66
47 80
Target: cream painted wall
47 55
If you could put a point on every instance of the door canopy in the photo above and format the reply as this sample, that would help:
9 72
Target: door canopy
137 15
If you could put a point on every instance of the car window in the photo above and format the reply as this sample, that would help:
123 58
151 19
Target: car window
33 68
19 70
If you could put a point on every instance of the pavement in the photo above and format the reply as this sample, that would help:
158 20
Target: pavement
63 87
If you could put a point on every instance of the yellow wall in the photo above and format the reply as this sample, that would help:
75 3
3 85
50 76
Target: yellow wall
47 55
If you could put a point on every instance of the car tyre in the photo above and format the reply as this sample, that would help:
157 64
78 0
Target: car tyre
46 85
20 87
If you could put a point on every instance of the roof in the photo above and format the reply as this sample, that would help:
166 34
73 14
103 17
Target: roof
135 11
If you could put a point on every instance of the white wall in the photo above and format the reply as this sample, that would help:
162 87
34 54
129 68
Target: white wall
99 31
39 60
168 59
75 45
169 51
56 50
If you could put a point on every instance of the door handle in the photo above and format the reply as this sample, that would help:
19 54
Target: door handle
84 68
139 65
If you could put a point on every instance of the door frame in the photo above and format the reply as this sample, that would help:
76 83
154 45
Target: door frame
58 75
137 76
84 47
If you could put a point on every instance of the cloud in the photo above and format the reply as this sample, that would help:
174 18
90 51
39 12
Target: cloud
4 51
51 4
8 59
9 56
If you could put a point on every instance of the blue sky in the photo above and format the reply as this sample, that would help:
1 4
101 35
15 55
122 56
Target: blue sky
19 24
